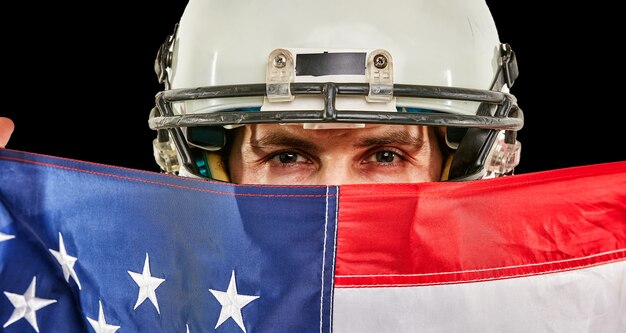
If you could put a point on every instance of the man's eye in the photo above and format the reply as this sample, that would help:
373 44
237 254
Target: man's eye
287 157
385 156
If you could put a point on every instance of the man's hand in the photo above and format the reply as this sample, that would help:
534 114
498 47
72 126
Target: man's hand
6 128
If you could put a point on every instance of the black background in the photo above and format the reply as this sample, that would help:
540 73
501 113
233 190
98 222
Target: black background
79 79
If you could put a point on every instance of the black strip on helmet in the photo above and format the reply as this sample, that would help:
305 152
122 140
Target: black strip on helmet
319 64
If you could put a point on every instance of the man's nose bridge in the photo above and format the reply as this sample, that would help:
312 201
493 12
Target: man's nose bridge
337 171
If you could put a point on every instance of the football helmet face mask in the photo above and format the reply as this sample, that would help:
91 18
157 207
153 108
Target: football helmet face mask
330 64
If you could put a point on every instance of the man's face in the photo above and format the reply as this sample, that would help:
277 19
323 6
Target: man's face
286 154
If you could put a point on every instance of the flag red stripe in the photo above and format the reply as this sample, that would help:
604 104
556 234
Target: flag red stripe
436 233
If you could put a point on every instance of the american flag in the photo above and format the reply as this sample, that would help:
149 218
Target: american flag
87 247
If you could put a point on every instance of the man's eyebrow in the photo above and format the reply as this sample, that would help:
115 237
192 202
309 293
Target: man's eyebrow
391 137
282 139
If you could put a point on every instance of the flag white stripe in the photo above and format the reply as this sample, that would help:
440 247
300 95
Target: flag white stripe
587 300
332 295
324 263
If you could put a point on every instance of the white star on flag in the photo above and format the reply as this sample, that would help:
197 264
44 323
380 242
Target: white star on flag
5 237
232 303
27 305
147 285
66 261
100 325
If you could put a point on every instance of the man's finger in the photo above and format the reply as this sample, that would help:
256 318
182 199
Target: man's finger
6 128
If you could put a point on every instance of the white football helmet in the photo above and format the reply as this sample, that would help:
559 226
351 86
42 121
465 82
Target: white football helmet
337 64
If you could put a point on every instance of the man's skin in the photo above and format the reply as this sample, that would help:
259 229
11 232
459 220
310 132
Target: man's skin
289 154
6 128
